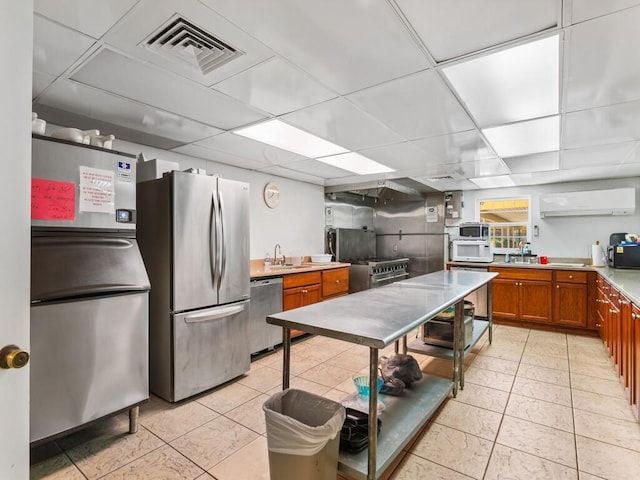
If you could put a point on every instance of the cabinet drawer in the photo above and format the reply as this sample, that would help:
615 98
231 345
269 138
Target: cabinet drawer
301 279
523 273
569 276
335 281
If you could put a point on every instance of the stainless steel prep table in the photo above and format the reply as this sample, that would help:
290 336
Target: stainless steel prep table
376 318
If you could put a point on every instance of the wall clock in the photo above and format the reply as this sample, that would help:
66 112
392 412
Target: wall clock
271 195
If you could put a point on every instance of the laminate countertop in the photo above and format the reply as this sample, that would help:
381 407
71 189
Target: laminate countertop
279 271
624 279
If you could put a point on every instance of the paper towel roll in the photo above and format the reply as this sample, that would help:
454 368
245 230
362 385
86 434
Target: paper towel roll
597 256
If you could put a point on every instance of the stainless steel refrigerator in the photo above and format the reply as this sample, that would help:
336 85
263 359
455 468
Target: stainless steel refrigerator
194 236
89 289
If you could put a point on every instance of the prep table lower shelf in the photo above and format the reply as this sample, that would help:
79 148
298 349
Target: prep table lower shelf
402 419
418 346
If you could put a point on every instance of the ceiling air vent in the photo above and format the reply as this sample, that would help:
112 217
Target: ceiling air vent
181 39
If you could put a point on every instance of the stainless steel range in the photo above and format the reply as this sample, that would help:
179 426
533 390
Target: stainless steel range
376 272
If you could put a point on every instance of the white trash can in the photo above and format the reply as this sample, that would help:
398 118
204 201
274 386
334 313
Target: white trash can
303 435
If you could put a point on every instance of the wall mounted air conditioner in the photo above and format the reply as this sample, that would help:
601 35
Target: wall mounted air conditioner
617 201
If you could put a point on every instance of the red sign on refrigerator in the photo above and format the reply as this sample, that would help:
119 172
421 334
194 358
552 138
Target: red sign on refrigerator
52 200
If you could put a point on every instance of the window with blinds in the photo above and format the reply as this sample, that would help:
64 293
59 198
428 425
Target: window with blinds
509 220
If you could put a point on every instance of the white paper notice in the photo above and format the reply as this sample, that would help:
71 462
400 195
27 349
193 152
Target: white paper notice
97 193
432 214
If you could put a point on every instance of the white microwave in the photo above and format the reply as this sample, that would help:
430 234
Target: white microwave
471 250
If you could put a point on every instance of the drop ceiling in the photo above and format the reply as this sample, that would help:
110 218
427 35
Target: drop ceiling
375 77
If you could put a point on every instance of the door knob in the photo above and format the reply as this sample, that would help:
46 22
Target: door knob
13 357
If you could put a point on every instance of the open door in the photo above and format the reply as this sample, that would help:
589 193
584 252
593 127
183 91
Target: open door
16 28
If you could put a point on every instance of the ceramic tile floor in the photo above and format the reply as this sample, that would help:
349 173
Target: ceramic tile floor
536 405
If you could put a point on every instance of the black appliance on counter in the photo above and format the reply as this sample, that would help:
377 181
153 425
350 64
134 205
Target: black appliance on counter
474 230
621 253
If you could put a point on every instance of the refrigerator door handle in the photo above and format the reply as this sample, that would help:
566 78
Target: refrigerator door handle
214 242
215 314
222 242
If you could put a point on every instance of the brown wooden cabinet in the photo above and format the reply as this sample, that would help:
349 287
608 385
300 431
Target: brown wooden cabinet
300 289
335 283
601 308
635 361
570 298
522 294
619 323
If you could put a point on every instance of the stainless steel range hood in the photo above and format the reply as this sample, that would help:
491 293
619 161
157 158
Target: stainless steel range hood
383 189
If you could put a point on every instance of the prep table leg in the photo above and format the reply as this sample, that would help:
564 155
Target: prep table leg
461 342
490 309
286 356
458 338
373 412
134 413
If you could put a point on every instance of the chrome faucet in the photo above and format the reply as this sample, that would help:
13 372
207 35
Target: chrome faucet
278 260
521 245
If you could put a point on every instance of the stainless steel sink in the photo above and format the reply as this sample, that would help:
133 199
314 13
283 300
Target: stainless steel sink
278 268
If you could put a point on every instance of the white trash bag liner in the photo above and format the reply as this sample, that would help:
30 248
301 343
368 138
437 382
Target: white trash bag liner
301 423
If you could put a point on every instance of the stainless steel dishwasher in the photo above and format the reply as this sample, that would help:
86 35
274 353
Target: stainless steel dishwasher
266 299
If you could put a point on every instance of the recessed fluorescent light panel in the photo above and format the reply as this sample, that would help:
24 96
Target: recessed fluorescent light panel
520 83
356 163
286 137
493 182
533 136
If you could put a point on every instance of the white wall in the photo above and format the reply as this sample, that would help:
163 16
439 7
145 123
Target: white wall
297 224
563 236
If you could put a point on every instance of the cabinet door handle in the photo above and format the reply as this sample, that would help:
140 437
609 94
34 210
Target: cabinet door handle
598 325
611 310
304 291
337 281
633 315
570 276
557 286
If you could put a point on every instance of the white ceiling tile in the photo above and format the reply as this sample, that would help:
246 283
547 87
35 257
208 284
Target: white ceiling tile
582 10
400 156
634 157
416 106
597 156
40 82
91 17
220 157
245 147
538 162
615 123
318 169
131 34
56 48
514 84
342 123
535 178
294 174
450 29
523 138
456 148
600 69
72 97
587 173
132 79
345 45
275 86
628 170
